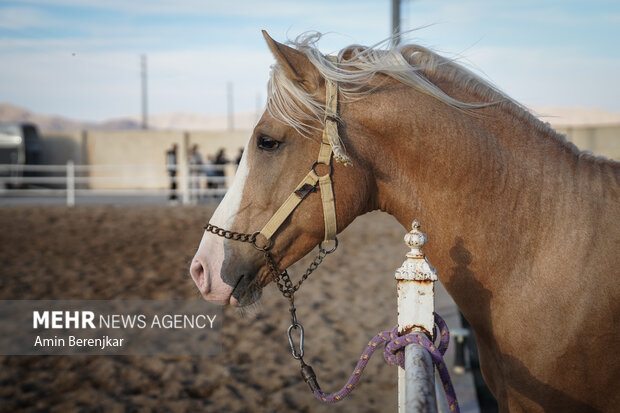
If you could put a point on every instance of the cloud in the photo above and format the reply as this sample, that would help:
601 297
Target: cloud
543 76
103 85
272 9
80 57
17 18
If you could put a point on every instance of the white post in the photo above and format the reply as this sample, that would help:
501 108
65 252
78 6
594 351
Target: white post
183 172
416 303
185 177
70 183
229 172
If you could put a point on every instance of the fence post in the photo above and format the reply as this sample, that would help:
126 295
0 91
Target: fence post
183 173
229 173
416 303
70 183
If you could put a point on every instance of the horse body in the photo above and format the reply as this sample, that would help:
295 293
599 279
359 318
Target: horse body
524 229
524 234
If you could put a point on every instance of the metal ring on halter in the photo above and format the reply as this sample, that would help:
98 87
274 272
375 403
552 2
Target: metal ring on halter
331 250
264 248
331 168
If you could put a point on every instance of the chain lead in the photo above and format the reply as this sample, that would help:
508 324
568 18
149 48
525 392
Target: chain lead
286 287
281 278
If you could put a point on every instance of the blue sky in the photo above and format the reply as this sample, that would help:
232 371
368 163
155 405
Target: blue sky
80 58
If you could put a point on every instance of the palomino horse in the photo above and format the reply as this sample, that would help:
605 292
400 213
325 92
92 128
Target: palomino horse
525 228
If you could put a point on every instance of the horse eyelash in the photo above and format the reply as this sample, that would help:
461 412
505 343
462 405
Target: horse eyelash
261 137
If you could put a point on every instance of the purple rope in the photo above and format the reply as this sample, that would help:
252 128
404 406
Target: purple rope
393 343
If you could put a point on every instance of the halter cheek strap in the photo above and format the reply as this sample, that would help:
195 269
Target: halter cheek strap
330 136
303 189
330 144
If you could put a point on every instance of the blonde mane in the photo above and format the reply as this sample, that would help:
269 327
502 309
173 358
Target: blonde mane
409 64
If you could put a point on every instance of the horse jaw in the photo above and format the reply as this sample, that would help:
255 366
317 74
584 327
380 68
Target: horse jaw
206 267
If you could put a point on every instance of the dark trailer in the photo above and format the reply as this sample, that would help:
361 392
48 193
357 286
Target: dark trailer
19 145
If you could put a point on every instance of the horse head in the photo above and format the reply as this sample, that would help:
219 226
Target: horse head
283 150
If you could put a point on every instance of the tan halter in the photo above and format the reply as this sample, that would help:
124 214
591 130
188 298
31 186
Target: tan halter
330 144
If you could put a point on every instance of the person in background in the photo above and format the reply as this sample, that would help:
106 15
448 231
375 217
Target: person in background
194 160
238 160
220 159
210 173
171 165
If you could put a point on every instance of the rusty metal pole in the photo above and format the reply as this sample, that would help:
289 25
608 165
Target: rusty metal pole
416 303
395 23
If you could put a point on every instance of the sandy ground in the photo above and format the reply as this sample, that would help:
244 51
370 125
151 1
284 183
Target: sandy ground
96 252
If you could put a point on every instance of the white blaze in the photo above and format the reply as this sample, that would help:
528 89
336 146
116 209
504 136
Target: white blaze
211 252
224 215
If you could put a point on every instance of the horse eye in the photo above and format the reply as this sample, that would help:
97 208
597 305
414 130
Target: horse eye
267 144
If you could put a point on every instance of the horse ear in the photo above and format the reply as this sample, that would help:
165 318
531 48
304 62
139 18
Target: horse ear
296 65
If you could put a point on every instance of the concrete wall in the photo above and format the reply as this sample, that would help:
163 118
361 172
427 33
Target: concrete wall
139 155
142 153
600 140
209 142
59 147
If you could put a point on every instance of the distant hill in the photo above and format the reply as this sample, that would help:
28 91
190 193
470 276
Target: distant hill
11 113
556 116
193 121
163 121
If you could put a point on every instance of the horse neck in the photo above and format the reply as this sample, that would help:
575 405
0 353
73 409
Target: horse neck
478 184
465 161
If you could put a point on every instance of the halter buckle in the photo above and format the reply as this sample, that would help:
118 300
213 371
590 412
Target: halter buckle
305 190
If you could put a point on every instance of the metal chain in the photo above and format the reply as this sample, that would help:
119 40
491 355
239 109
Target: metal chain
283 281
237 236
281 278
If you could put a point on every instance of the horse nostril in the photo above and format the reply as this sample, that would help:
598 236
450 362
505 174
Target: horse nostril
197 272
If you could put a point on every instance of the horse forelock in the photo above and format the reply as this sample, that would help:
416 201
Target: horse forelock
291 105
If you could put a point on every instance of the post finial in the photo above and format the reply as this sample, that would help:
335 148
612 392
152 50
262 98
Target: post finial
416 267
415 239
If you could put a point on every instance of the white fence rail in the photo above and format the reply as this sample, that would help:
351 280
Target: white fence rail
191 182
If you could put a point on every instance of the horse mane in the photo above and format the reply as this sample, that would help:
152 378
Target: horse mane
357 66
412 65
